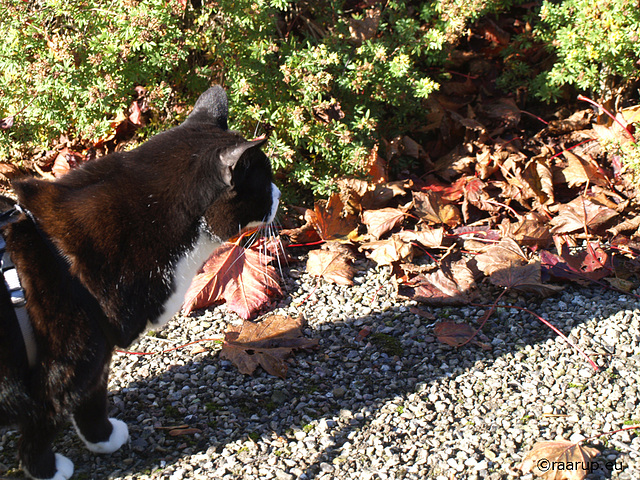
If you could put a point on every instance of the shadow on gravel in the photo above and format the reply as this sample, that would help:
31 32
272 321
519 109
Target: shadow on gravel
398 384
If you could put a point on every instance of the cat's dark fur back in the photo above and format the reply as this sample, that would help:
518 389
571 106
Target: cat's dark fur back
110 249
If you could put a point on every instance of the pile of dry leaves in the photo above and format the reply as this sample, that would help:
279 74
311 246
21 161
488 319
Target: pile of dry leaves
517 215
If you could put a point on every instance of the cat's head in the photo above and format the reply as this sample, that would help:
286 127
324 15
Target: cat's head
200 169
251 198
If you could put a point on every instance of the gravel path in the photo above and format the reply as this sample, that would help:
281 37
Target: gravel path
397 404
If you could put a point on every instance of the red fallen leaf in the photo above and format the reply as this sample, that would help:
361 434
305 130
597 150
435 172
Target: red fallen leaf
242 277
381 221
362 334
579 213
267 344
65 161
450 285
333 263
450 192
552 460
591 264
330 220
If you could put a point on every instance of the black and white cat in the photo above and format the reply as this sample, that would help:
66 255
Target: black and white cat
105 252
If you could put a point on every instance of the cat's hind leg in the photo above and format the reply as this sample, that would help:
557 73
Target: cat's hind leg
99 433
38 460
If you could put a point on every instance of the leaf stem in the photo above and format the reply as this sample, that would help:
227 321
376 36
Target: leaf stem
558 332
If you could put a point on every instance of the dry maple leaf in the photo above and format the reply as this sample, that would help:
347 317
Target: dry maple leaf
333 263
502 255
531 231
580 213
507 266
391 250
452 333
430 208
430 238
559 460
581 170
381 221
590 264
65 161
447 286
267 344
236 274
330 220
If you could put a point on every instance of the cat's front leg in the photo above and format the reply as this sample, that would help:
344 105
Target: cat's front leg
99 433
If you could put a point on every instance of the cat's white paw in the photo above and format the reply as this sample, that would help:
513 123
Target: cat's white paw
64 469
119 437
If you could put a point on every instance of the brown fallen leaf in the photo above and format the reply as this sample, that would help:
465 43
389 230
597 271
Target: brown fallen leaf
184 431
507 266
505 254
267 344
450 285
531 231
381 221
430 208
452 333
559 460
302 235
333 263
330 220
525 278
578 213
429 238
580 170
389 251
241 276
65 161
630 225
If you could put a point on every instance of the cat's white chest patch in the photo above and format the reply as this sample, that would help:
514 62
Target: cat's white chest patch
183 274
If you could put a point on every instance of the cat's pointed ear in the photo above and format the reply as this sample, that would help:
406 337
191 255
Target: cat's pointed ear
211 107
229 156
36 195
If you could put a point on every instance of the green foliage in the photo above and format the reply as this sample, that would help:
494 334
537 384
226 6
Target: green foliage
325 78
594 41
70 67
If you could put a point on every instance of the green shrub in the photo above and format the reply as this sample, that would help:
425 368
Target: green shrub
70 68
596 44
326 78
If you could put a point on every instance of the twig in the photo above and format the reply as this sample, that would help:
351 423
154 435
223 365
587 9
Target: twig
582 97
